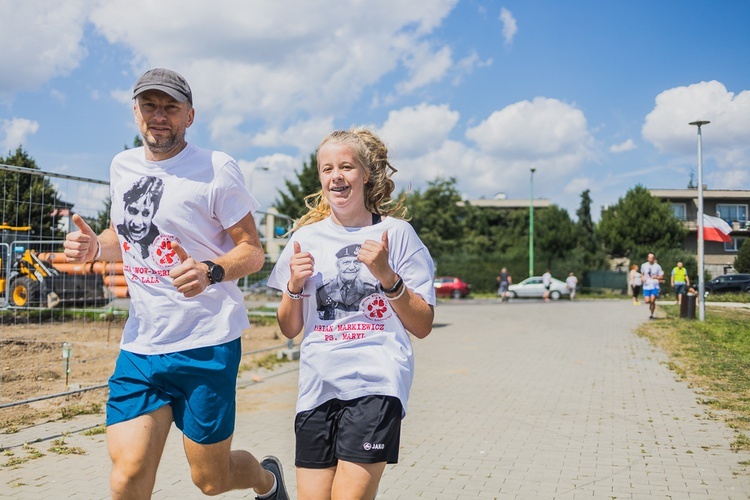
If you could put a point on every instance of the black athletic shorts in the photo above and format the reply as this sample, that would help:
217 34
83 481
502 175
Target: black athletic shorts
364 430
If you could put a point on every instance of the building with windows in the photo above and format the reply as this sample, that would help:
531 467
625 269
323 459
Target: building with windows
730 205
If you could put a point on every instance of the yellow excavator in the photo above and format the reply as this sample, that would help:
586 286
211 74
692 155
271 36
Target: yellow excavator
32 282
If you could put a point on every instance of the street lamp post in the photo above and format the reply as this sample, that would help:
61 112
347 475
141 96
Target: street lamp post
701 285
531 223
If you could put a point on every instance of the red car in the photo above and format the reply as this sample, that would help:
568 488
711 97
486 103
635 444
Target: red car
450 286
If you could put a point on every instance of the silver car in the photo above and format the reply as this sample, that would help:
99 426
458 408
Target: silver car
534 288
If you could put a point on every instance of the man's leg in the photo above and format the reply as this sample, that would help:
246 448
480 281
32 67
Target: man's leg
215 468
135 447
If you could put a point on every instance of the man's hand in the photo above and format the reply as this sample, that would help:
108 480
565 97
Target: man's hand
190 277
81 245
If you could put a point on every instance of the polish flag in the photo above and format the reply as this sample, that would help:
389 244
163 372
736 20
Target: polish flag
715 229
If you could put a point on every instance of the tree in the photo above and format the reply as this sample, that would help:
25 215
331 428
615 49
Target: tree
742 261
137 143
437 217
555 234
588 245
27 200
292 203
638 224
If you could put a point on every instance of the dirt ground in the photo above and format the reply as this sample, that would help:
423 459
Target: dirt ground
32 365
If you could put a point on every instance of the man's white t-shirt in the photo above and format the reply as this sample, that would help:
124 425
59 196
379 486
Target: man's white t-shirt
190 198
353 343
651 274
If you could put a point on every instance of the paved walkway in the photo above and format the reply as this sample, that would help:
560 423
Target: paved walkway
511 401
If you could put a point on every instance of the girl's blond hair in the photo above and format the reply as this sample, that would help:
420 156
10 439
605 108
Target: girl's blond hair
372 154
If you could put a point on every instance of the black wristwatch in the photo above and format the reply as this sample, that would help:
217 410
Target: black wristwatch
215 272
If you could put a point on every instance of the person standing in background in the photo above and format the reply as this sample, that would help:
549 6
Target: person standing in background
572 283
680 280
635 281
504 280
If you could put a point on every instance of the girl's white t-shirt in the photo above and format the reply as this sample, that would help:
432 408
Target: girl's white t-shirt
353 343
190 198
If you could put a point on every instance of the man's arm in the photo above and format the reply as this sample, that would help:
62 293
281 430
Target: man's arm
247 256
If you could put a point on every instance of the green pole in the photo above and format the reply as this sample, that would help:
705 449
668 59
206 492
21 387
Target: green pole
531 225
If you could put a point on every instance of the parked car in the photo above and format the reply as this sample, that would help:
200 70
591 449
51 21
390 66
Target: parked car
534 288
728 283
450 286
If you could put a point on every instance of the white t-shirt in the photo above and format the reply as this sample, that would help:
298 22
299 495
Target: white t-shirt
546 279
353 343
190 198
651 274
571 282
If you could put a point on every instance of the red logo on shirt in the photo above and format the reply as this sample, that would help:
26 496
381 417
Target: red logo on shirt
376 307
162 253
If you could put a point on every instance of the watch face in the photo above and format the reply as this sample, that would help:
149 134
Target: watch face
217 272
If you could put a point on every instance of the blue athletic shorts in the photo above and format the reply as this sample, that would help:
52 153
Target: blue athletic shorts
654 292
199 384
364 430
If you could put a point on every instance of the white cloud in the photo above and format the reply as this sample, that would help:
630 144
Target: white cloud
725 139
265 176
281 62
414 131
15 132
40 40
546 134
426 66
577 186
510 28
544 129
628 145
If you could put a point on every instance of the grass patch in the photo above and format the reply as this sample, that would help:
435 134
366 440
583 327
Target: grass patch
714 356
12 425
76 409
59 447
262 320
95 431
741 298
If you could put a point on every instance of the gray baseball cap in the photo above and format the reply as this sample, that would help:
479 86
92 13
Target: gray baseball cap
167 81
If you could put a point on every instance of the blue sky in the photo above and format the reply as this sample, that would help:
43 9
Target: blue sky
593 95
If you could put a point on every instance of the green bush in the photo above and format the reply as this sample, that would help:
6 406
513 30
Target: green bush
742 261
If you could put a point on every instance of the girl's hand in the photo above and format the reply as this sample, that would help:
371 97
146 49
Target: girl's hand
374 254
302 266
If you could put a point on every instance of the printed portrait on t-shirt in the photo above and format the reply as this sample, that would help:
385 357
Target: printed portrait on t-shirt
340 295
141 202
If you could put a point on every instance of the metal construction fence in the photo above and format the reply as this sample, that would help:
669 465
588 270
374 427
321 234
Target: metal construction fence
61 323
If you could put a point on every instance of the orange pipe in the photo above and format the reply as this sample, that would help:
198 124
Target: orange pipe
115 280
72 267
120 292
60 262
108 267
